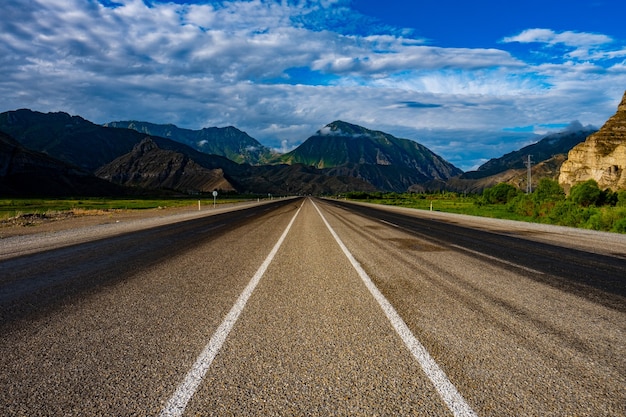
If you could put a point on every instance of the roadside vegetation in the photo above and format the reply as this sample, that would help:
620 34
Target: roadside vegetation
23 207
586 206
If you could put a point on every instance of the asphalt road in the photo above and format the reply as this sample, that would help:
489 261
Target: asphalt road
310 307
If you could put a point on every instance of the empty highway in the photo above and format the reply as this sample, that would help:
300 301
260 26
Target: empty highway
319 308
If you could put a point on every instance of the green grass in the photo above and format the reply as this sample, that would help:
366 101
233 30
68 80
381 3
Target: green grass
606 218
19 206
461 205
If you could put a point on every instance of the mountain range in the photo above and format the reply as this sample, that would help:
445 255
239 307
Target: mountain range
229 142
547 147
113 154
339 157
547 156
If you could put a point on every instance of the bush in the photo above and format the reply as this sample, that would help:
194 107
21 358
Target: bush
568 213
548 191
619 226
523 205
586 193
499 194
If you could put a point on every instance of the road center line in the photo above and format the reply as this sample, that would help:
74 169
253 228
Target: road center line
448 392
177 403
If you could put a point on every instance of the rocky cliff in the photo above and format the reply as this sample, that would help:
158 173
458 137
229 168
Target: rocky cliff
148 166
602 156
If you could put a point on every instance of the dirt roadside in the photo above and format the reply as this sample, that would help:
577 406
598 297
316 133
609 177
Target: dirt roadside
30 224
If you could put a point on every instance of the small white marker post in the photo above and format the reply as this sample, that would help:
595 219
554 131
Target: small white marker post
214 197
198 205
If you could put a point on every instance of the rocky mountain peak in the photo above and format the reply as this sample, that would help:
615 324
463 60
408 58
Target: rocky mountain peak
151 167
621 108
144 147
343 129
602 157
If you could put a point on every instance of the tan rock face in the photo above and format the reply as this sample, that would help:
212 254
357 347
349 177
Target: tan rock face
602 156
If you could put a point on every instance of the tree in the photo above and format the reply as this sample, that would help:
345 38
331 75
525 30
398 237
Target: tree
499 194
548 190
586 193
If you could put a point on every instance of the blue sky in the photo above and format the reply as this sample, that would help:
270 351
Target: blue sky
471 80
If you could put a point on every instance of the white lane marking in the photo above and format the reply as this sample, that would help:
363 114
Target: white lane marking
390 224
177 403
448 392
484 255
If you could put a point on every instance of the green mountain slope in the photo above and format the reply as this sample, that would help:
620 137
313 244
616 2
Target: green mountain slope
71 139
385 161
341 143
229 142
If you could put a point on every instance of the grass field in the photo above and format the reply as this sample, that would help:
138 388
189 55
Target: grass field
21 206
446 203
604 218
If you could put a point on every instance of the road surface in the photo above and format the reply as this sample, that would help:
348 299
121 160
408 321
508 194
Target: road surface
313 307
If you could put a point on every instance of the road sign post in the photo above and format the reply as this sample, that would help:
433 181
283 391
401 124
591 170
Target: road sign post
214 197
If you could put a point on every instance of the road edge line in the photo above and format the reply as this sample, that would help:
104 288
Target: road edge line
447 391
177 403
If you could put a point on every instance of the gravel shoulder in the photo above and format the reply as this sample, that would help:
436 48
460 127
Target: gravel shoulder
18 239
40 224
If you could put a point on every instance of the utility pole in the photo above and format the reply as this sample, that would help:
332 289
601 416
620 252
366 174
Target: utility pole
529 187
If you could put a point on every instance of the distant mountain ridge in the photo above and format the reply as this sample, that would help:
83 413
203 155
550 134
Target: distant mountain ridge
547 156
71 139
547 147
338 158
155 163
229 142
387 162
159 163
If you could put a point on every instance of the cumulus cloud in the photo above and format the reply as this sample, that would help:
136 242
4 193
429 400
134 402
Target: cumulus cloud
581 45
568 38
327 131
236 63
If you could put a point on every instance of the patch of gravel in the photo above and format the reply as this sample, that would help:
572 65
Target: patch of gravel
32 223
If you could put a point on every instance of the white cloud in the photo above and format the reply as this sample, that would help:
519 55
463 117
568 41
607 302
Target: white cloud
226 63
569 38
581 45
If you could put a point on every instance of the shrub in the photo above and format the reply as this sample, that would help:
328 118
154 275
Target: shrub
548 191
586 193
619 226
499 194
568 213
523 205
